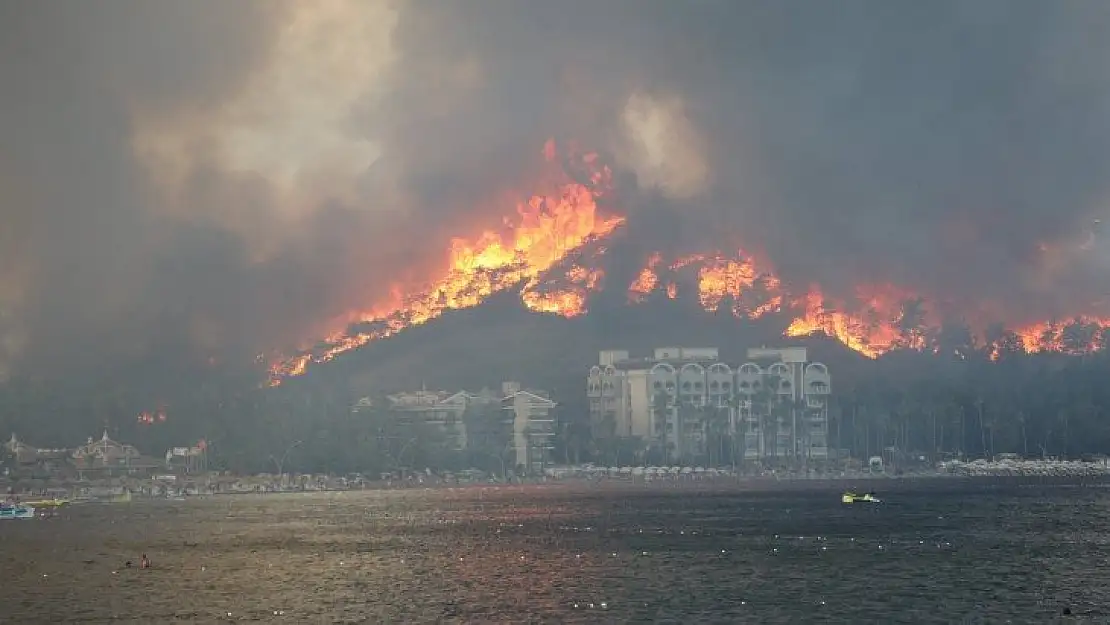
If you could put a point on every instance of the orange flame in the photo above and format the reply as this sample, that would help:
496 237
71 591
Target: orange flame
870 333
547 228
1081 335
647 281
739 280
568 301
551 228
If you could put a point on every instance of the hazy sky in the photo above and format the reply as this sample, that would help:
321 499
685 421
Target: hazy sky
216 178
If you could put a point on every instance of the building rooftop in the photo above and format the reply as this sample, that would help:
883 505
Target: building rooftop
702 357
415 400
15 445
636 364
105 447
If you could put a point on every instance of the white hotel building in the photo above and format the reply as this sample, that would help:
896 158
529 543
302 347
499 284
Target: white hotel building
527 422
773 407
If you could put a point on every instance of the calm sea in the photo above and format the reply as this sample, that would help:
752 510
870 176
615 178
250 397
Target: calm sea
558 555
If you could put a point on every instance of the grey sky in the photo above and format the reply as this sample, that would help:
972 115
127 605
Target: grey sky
228 176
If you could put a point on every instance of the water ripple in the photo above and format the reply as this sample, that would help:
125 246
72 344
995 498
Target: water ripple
540 556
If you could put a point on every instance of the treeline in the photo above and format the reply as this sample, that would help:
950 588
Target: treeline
944 393
301 428
941 392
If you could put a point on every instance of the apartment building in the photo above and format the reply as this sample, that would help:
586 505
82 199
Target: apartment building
685 401
515 425
533 426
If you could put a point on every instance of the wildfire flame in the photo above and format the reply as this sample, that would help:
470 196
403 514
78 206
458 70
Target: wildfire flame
549 230
647 281
148 417
546 229
568 301
1080 335
869 332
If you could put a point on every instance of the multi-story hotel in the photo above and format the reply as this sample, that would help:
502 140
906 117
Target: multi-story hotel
533 426
526 423
773 407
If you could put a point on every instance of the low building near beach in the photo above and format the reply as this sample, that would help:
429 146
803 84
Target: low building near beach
105 457
35 460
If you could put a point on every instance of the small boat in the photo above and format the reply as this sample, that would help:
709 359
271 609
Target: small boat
124 497
47 503
16 511
864 498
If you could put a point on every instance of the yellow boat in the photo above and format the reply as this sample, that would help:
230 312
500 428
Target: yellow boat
124 497
46 503
854 498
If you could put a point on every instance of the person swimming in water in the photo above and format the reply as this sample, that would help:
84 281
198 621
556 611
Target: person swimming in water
144 563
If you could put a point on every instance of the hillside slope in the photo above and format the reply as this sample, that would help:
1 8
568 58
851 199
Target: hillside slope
501 340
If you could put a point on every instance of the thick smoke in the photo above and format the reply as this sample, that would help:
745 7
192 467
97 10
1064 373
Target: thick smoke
173 184
219 178
957 149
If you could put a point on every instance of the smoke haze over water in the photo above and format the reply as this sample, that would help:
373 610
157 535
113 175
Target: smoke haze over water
216 179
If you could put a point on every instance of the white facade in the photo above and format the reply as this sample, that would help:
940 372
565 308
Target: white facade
611 356
681 400
528 424
685 353
783 405
438 409
533 427
638 403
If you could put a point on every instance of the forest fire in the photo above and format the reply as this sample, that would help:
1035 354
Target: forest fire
869 329
546 229
148 417
568 300
646 281
1080 335
542 255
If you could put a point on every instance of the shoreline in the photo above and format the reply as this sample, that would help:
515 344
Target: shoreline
932 482
920 483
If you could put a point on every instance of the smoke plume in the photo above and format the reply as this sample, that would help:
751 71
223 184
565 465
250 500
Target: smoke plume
215 179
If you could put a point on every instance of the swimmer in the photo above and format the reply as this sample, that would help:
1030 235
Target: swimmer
144 563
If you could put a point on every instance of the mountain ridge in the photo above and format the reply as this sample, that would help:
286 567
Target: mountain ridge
501 340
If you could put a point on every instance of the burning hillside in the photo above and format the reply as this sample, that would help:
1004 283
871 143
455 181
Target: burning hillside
552 253
546 229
